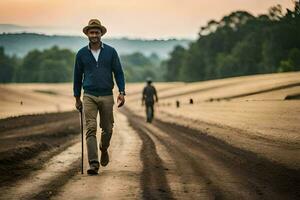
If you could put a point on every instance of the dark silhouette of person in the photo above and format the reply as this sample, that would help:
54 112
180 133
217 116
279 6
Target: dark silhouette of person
149 93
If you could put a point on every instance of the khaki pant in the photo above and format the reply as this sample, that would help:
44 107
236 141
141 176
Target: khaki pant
91 106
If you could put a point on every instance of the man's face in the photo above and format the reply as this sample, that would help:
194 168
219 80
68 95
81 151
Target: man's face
94 35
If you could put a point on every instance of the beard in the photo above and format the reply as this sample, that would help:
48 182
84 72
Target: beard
94 40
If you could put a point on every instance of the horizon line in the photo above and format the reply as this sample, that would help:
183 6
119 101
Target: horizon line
105 37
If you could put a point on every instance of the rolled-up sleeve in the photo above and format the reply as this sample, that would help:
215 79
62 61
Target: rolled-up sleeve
77 79
118 72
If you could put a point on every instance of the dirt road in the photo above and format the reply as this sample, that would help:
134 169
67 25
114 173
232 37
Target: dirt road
151 161
206 168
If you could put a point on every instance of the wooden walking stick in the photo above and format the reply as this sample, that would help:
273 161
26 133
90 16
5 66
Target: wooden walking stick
81 127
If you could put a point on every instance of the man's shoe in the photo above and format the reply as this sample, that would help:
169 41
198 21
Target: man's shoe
104 158
93 170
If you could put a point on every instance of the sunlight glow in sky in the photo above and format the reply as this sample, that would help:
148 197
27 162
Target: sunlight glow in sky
128 18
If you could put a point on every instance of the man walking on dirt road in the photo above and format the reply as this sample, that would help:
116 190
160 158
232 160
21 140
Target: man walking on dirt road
149 93
95 66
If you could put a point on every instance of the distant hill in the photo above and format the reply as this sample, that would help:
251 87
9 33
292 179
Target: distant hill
8 28
21 43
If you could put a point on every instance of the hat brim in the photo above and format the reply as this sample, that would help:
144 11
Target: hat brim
102 28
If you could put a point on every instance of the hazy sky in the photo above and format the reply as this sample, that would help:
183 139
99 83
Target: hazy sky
131 18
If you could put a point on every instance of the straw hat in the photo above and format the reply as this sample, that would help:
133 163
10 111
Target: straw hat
94 23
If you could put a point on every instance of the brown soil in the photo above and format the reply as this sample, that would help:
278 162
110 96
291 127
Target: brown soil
228 172
203 166
27 142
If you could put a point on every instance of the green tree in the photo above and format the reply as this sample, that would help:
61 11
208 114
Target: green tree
174 63
292 63
7 65
137 67
30 68
50 65
240 44
53 71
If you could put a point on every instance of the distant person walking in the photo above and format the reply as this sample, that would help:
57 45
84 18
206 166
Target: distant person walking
94 68
149 93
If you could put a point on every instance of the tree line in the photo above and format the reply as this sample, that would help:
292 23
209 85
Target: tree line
240 44
55 65
138 67
50 66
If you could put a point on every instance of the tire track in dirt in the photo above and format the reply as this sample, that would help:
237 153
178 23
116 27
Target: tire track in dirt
246 175
190 172
284 180
153 179
281 87
197 90
195 185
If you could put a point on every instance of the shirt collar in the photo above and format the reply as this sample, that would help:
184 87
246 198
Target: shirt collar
102 46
